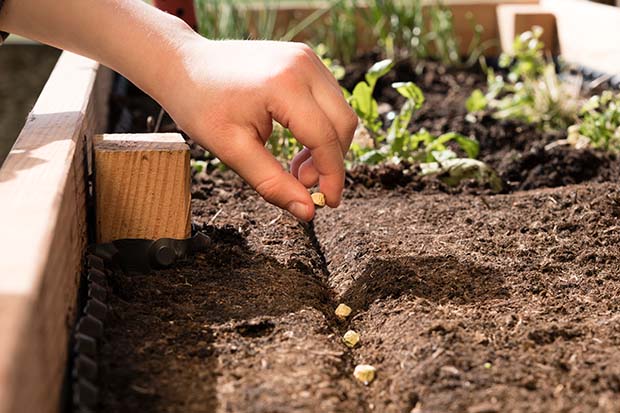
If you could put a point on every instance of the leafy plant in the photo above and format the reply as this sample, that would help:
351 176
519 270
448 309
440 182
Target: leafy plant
452 170
599 123
339 30
361 99
398 26
226 19
282 144
403 28
531 91
398 143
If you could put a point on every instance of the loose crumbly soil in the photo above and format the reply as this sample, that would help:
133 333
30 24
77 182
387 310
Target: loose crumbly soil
465 302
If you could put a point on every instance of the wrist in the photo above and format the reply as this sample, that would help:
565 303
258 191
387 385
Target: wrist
157 61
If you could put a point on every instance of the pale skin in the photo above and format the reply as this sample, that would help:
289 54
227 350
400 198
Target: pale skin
224 94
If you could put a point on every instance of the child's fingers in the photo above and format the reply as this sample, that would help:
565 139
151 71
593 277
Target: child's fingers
313 129
298 160
341 115
253 162
308 174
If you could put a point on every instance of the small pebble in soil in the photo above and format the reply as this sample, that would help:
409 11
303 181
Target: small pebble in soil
342 311
319 199
351 338
365 373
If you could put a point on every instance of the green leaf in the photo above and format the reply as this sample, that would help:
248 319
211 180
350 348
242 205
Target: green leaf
411 91
476 101
469 145
373 157
378 70
198 166
346 93
362 101
504 60
454 170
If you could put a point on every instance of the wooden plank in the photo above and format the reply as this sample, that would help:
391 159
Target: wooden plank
588 33
516 19
142 186
43 217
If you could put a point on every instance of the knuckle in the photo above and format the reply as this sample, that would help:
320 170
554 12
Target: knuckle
306 49
301 56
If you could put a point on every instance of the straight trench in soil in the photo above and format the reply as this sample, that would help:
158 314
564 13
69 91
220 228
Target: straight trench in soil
464 304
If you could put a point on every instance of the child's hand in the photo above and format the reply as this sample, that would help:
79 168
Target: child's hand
226 96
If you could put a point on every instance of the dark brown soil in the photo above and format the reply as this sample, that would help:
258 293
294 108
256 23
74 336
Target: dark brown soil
248 326
466 302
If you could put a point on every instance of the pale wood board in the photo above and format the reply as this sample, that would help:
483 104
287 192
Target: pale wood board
516 19
43 217
588 33
142 186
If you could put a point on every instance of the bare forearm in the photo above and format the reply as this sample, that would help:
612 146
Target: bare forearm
129 36
224 94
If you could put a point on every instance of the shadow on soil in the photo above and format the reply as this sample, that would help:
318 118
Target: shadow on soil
436 278
161 331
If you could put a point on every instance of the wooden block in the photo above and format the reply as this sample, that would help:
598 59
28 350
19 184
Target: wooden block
142 186
516 19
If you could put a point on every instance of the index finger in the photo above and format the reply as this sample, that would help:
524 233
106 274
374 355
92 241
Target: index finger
315 131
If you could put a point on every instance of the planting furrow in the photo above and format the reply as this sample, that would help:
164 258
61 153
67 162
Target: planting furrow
247 326
472 304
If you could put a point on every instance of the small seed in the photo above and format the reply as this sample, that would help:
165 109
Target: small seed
351 338
364 373
342 311
319 199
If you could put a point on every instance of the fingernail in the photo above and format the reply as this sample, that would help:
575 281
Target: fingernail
300 210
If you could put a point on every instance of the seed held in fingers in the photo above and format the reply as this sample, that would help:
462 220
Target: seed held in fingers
319 199
351 338
342 311
364 373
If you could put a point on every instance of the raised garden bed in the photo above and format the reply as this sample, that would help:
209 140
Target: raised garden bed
465 300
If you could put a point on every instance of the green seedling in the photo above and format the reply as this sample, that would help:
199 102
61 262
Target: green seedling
361 99
599 123
531 91
282 144
198 166
398 27
398 143
452 170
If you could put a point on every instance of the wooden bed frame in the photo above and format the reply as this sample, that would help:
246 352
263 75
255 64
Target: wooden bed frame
43 190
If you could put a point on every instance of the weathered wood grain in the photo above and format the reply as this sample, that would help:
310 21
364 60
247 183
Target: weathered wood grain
142 186
43 221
